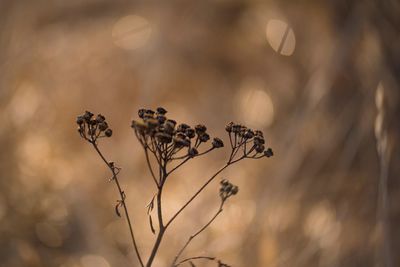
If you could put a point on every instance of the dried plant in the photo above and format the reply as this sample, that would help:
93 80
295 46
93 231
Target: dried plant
172 146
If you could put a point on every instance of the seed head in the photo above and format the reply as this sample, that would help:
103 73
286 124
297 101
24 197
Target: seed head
268 153
259 148
103 126
200 128
80 120
193 152
100 118
217 143
204 137
190 133
108 132
161 111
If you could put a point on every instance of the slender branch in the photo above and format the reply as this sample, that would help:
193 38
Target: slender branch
123 196
159 215
196 234
149 165
177 166
197 193
196 258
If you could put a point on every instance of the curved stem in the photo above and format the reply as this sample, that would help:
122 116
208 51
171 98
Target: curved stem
196 194
123 196
196 258
149 165
196 234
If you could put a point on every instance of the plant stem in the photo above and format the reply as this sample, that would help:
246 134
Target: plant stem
196 194
123 196
196 234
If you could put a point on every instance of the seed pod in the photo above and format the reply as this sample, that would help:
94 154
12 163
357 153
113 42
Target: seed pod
80 120
141 113
103 126
163 137
204 137
87 116
100 118
108 132
200 128
190 133
228 127
193 152
182 127
260 148
268 153
161 118
161 111
217 143
249 134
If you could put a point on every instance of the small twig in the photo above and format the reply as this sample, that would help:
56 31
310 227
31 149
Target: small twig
196 234
196 258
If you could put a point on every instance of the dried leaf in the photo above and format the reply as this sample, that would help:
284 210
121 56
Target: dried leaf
117 208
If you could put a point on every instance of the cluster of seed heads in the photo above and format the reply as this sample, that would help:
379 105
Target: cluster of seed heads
227 189
91 128
252 141
159 133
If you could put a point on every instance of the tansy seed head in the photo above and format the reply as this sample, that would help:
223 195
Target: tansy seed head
161 111
108 132
268 153
217 143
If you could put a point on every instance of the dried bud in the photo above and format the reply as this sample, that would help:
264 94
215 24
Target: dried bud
259 133
248 134
228 127
141 113
100 118
190 133
87 116
204 137
182 127
236 128
180 142
235 190
108 132
80 120
93 122
163 137
161 118
161 111
103 126
200 128
217 143
172 122
268 153
193 152
259 140
259 148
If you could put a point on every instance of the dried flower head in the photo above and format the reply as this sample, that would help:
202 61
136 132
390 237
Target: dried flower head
227 189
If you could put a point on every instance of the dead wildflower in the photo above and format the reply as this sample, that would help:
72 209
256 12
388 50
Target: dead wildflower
172 145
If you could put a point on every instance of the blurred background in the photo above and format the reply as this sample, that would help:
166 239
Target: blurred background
320 78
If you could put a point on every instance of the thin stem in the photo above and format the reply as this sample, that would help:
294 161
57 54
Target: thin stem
196 258
123 196
149 165
196 234
197 193
159 215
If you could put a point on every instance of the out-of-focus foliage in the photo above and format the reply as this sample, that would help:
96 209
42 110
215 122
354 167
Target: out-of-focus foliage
320 79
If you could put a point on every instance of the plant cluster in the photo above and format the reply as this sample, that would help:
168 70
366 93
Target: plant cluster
171 145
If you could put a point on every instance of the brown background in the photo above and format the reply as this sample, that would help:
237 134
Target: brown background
327 101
